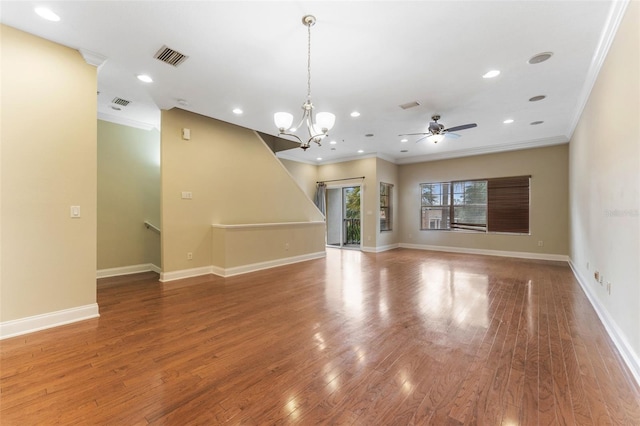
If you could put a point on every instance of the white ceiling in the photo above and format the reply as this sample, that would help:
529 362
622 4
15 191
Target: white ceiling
369 56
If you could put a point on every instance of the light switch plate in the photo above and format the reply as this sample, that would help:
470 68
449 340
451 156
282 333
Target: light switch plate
75 212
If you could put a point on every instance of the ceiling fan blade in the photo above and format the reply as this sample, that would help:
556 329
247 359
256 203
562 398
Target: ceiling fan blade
423 138
415 134
463 127
449 135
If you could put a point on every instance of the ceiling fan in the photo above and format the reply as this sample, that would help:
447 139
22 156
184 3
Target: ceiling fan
437 132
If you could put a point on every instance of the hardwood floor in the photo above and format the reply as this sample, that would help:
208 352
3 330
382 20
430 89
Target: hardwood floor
395 338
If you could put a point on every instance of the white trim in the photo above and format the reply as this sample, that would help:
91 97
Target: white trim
266 225
517 254
127 121
244 269
126 270
93 58
185 273
515 146
43 321
616 13
380 249
238 270
622 344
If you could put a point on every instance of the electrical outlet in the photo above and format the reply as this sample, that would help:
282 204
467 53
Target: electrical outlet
540 243
286 246
189 256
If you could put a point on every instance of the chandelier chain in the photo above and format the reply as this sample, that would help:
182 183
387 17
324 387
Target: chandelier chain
309 61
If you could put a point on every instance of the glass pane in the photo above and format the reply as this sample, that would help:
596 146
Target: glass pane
434 218
470 214
434 194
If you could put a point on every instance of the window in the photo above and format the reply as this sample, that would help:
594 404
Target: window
386 211
485 205
435 205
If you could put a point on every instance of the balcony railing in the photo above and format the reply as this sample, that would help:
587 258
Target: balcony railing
351 231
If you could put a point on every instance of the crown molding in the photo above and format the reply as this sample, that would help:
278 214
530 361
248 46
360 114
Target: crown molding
516 146
93 58
616 13
126 121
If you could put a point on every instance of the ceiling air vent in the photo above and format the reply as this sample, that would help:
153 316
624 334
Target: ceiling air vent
120 101
410 105
170 56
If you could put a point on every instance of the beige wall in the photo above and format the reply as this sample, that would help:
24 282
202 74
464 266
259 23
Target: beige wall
605 186
305 175
549 193
234 178
48 164
128 194
369 195
387 172
238 246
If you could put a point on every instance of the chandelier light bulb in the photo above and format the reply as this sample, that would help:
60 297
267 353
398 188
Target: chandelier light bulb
325 121
283 120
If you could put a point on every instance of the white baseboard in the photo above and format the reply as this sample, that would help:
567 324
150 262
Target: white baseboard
126 270
237 270
622 344
517 254
185 273
380 249
52 319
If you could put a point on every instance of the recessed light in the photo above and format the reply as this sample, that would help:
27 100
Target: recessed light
47 14
355 114
404 150
360 151
183 102
333 149
540 57
319 158
404 140
537 98
333 142
491 74
116 108
368 135
145 78
237 111
535 123
508 121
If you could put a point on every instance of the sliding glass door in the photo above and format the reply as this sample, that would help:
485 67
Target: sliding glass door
343 217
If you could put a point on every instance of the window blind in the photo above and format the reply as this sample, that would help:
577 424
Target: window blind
508 204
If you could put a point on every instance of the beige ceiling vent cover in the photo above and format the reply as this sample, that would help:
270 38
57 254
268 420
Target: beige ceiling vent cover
170 56
410 105
120 101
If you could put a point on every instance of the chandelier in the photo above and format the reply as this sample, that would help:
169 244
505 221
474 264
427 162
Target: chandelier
317 128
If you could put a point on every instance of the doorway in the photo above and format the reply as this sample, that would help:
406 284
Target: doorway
343 217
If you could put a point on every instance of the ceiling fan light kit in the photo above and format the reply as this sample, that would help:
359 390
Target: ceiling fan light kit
318 127
437 132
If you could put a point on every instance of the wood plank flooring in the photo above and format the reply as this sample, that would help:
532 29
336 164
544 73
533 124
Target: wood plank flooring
404 337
